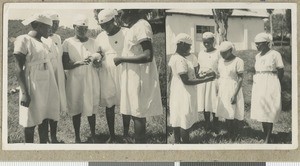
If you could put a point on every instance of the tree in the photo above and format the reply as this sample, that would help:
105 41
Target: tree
270 11
221 19
288 16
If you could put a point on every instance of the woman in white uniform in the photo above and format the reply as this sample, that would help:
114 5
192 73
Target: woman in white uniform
230 104
183 89
82 84
140 88
266 90
110 43
39 95
207 94
54 44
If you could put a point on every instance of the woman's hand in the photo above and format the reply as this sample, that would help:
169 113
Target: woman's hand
84 62
25 100
233 99
118 60
211 73
97 63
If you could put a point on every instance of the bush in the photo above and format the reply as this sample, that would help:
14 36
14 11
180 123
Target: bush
286 53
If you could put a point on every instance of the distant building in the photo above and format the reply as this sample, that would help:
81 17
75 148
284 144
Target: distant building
242 27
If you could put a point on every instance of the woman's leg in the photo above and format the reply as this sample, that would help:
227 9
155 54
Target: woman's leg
267 127
92 122
76 123
177 136
207 119
215 123
185 135
29 134
230 128
110 118
53 131
139 129
126 123
43 131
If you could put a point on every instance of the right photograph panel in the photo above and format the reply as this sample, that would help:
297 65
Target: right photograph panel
229 76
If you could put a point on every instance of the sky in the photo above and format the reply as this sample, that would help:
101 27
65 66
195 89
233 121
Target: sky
67 12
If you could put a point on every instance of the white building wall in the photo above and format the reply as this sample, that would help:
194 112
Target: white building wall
177 23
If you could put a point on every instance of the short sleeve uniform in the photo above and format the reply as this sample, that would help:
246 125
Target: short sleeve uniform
40 81
207 96
227 84
183 98
110 74
55 55
140 88
192 58
82 84
266 90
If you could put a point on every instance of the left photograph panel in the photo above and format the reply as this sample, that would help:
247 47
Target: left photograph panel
83 75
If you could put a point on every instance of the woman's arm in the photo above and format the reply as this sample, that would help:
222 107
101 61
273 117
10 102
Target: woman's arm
187 81
197 68
238 87
20 72
68 65
145 57
280 73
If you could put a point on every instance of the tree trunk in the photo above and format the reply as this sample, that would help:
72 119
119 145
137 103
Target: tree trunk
221 21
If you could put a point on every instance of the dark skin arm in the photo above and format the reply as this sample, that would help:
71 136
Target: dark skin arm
145 57
20 72
238 87
68 65
280 73
187 81
197 70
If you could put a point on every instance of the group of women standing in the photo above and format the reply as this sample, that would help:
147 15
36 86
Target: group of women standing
118 68
212 83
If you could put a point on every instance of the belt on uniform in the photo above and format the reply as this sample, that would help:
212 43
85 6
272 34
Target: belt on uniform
41 61
266 72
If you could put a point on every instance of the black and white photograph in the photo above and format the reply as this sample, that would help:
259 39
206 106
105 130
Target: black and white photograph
85 76
230 76
149 76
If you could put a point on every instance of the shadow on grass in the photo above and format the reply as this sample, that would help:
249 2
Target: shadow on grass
159 138
244 135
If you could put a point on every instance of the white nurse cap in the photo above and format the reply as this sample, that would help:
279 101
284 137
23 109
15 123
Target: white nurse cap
80 20
183 37
106 15
40 17
225 46
262 37
53 16
208 35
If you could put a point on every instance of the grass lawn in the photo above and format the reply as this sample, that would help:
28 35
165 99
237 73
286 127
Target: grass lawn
156 126
250 131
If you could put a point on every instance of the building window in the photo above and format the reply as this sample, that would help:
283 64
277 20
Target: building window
200 29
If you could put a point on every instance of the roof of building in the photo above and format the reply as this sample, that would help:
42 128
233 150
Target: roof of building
208 12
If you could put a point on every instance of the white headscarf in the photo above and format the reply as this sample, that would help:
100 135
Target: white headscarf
53 15
263 37
225 46
80 20
106 15
39 17
208 35
183 37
